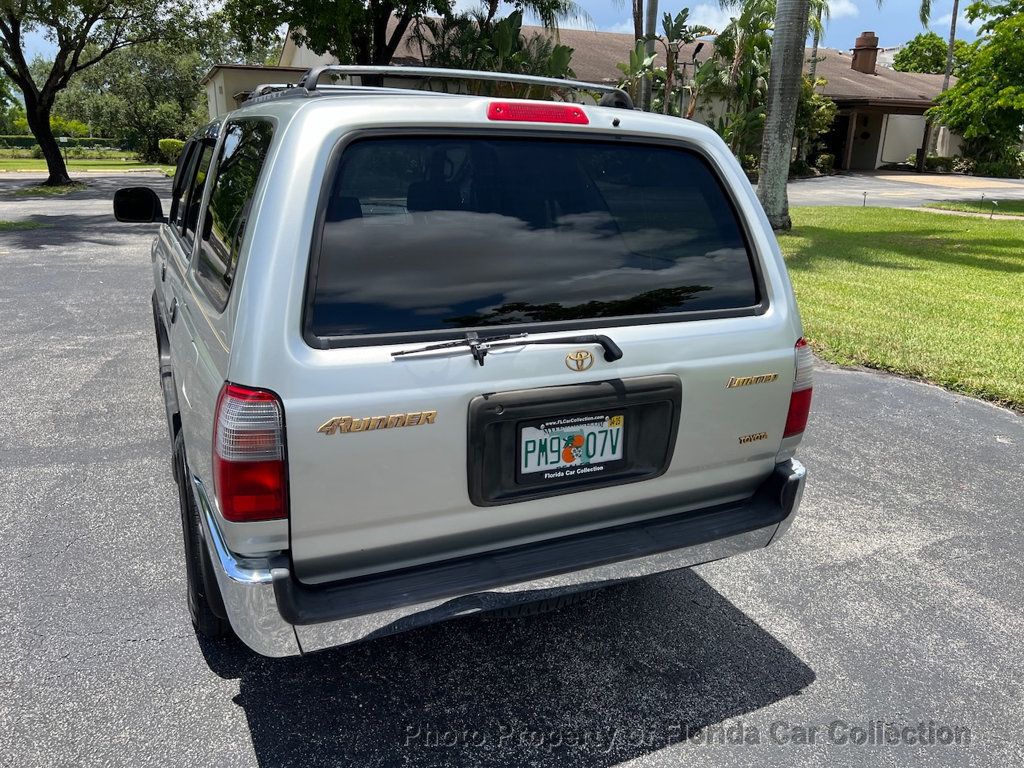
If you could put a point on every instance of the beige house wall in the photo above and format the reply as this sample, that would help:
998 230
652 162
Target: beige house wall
225 83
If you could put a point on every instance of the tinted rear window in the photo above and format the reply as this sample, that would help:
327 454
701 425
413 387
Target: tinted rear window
428 234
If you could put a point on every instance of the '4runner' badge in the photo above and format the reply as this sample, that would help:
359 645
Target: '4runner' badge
370 423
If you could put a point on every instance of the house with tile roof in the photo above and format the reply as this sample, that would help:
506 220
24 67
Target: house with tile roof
880 117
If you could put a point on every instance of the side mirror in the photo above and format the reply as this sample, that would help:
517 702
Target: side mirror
137 205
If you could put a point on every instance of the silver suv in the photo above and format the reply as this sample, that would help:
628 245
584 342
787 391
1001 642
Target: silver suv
428 354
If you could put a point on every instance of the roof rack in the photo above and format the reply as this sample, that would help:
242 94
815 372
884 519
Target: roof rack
613 96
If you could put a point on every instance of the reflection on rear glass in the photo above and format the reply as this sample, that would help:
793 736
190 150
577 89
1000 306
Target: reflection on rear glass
432 233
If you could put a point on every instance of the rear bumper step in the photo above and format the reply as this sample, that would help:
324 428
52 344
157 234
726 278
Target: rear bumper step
289 617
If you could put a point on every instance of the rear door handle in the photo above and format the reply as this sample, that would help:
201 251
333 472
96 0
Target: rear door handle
174 309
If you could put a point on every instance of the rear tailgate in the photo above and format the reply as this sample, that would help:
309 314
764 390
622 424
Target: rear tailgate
395 461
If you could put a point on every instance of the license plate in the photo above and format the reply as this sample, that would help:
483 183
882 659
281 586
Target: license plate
571 447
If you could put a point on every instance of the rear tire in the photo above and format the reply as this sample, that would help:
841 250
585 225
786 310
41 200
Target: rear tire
205 605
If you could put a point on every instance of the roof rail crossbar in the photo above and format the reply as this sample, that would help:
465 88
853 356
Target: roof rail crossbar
613 96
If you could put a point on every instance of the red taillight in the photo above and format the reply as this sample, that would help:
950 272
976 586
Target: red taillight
249 467
800 400
536 113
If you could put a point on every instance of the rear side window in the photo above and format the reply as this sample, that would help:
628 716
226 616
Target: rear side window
425 234
178 185
190 214
243 153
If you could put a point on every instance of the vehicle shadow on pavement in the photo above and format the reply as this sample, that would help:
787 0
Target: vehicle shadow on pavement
70 230
637 668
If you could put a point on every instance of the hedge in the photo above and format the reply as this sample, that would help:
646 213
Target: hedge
27 142
170 149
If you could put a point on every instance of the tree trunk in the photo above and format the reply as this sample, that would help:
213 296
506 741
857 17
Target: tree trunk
812 74
638 19
38 116
949 51
783 98
670 66
812 71
933 136
646 93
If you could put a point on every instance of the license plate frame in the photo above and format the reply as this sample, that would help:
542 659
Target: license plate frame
575 446
651 408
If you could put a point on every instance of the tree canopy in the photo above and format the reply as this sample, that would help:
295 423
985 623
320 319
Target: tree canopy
363 31
926 53
84 32
474 41
986 106
151 91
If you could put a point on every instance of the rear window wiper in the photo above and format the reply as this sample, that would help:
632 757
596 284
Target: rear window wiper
479 347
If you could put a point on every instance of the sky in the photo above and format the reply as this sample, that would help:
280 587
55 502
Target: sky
894 23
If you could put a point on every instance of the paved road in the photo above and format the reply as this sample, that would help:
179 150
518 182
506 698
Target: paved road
895 597
899 189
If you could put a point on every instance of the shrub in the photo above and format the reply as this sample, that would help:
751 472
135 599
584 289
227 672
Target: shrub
800 169
1008 167
939 164
65 127
826 163
963 165
170 149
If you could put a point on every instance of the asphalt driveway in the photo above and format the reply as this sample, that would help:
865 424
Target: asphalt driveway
899 189
895 598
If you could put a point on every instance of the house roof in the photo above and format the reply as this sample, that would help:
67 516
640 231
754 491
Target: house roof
297 71
596 54
886 85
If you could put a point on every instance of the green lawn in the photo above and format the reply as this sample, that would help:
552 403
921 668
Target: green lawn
12 226
105 164
1004 207
940 298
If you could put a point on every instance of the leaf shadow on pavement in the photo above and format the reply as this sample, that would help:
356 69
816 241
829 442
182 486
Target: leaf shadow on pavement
635 669
97 187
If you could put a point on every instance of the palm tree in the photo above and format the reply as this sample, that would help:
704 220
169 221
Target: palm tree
738 73
925 13
819 15
550 12
784 83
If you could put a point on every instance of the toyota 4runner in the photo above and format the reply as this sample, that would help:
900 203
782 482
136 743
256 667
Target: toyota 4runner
426 354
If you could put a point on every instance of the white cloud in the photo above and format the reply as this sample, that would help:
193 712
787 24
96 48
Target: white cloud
711 15
465 6
708 14
941 24
842 9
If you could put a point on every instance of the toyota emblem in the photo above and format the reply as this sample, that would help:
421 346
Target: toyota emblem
579 361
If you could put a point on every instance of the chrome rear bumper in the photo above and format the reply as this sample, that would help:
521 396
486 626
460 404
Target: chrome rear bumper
257 592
